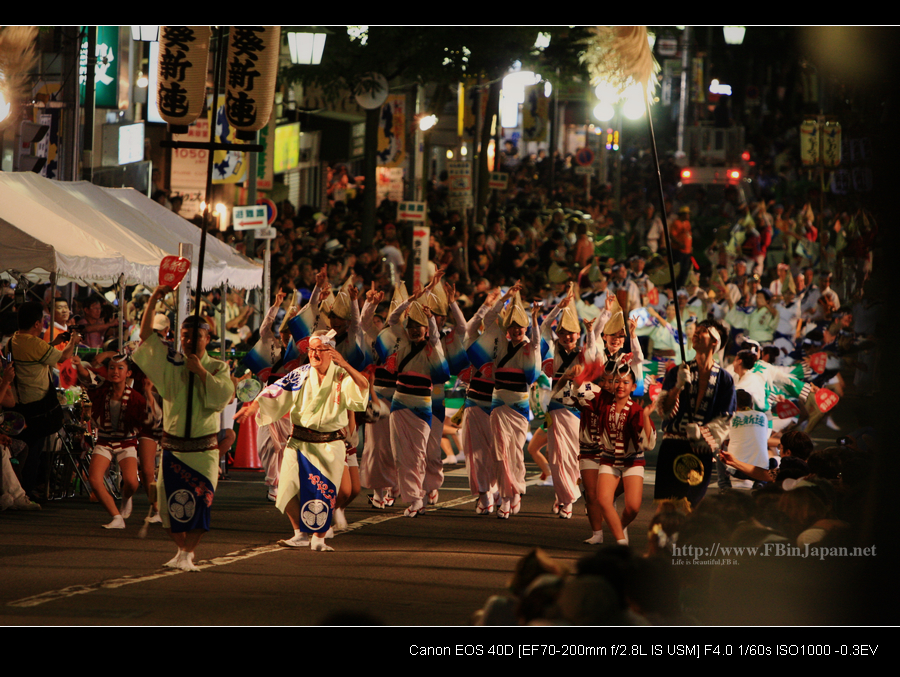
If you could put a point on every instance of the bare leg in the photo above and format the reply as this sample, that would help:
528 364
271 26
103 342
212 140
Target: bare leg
97 473
147 457
451 437
592 499
192 539
350 487
292 510
634 493
538 442
130 484
187 543
348 490
225 445
355 486
607 485
447 448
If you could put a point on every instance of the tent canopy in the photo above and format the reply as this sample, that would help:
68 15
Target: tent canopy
84 233
40 238
222 262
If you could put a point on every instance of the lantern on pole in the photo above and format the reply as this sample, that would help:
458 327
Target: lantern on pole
181 69
250 81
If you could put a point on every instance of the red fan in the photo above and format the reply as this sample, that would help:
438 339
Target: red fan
787 409
826 399
547 367
817 362
172 270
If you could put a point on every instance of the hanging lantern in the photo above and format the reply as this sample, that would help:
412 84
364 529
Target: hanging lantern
181 90
809 143
250 83
831 144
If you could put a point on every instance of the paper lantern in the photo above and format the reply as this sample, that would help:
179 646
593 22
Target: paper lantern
809 143
250 81
181 70
831 144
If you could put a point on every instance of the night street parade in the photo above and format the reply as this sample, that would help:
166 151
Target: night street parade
433 327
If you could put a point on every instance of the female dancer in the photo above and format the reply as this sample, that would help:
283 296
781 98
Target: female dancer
515 366
615 432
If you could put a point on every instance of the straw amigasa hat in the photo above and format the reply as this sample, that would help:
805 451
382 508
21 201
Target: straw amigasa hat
437 300
616 322
294 301
341 305
400 295
557 273
515 314
417 314
569 319
325 306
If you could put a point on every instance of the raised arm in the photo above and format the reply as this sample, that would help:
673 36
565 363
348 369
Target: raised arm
150 310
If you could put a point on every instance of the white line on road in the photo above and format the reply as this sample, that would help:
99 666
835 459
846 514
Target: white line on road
73 590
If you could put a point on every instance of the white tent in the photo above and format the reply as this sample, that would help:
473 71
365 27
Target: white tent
228 265
79 243
90 234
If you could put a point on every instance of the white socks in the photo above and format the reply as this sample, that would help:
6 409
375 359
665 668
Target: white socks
340 521
596 539
118 522
183 560
318 544
300 540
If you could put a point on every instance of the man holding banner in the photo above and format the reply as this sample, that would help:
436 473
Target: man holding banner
189 469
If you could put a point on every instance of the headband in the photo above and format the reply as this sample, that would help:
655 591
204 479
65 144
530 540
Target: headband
193 320
326 338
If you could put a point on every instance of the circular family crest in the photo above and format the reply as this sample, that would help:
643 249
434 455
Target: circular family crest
182 505
687 468
314 513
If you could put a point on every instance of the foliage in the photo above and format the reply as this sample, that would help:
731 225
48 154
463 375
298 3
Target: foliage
441 55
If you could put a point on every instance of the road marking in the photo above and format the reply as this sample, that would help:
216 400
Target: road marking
230 558
113 583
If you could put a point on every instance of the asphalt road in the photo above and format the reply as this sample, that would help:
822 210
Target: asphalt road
61 568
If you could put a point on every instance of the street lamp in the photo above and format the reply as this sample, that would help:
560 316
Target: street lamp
426 122
734 35
513 94
306 44
145 33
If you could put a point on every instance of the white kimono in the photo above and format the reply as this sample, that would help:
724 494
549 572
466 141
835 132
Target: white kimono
313 471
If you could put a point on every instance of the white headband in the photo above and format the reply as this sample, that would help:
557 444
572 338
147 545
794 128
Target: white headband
327 338
715 334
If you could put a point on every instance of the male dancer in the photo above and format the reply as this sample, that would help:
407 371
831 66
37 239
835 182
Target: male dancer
189 470
318 396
